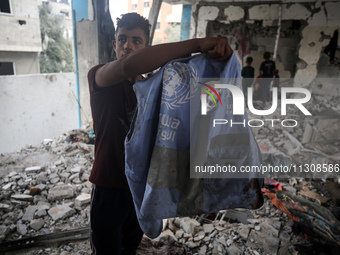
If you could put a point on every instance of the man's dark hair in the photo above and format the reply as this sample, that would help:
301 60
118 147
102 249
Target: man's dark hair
266 55
249 60
132 21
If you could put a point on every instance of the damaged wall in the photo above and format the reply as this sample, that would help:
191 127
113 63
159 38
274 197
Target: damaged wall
95 33
35 107
21 28
298 53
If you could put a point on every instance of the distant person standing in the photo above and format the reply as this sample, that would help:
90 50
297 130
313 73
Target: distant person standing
248 75
267 70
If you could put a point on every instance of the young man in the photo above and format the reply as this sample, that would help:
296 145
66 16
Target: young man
247 73
267 69
114 226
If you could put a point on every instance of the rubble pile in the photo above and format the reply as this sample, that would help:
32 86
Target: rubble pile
260 235
45 188
290 136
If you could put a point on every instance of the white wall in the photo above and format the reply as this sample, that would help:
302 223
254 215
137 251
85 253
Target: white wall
25 37
35 107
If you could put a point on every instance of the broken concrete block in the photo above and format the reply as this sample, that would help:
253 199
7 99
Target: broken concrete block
21 229
73 176
208 228
203 250
64 175
33 169
7 186
41 178
39 213
263 240
4 230
60 192
37 224
172 226
22 197
189 225
77 180
179 233
244 232
4 207
83 199
29 213
199 236
234 249
11 174
270 227
61 212
76 169
88 184
192 244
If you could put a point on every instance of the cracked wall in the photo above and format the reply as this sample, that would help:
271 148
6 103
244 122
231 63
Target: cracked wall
301 40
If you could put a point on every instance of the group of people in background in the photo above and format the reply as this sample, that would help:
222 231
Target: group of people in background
268 77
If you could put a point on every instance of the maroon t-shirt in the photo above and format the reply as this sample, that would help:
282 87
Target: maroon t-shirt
112 111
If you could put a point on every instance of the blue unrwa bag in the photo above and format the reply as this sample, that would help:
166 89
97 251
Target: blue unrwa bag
169 135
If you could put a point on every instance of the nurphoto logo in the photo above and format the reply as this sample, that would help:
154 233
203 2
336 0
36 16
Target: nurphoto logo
238 106
238 99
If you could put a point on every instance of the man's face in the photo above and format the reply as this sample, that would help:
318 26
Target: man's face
128 41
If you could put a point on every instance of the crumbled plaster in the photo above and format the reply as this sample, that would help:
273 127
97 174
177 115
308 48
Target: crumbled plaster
233 13
318 18
193 21
332 11
205 14
271 12
310 49
301 64
327 70
309 72
295 11
90 10
264 12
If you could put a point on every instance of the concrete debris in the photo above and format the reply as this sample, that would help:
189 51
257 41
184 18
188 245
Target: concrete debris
83 199
44 189
61 212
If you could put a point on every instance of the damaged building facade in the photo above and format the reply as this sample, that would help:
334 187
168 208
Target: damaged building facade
305 29
296 33
20 43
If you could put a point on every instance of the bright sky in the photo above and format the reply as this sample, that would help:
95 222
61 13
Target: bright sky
118 7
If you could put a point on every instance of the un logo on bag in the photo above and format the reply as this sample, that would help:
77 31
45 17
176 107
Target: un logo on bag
179 84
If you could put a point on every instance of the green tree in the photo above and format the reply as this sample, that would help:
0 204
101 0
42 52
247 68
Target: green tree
173 33
57 51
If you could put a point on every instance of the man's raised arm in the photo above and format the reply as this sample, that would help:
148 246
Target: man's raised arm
150 58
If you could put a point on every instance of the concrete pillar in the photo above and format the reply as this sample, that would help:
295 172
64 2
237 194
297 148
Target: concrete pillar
95 32
153 15
185 24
